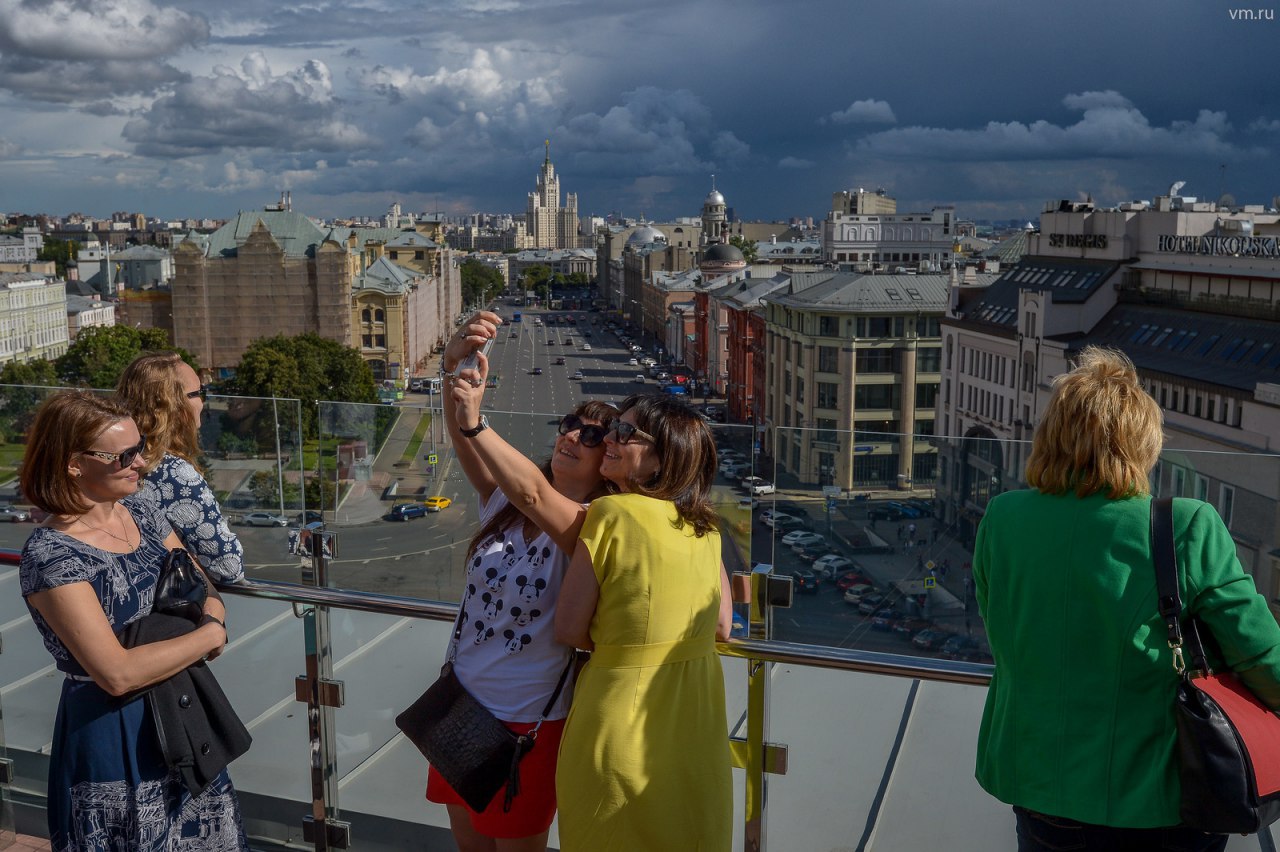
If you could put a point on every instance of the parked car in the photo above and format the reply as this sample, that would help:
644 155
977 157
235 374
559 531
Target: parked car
639 379
733 468
437 503
808 553
930 639
789 522
577 374
855 594
806 581
924 506
407 511
885 619
872 604
833 563
804 538
883 512
264 519
758 485
904 510
849 579
13 514
586 347
957 645
911 625
537 371
559 360
310 516
633 362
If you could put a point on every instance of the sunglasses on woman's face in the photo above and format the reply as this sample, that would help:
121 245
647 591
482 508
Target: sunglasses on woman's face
625 432
125 458
201 392
589 434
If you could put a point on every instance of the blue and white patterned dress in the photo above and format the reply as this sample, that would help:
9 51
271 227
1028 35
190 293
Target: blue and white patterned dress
109 788
194 514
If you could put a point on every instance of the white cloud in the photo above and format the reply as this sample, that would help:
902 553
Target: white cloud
96 29
1110 127
247 108
9 149
795 163
869 111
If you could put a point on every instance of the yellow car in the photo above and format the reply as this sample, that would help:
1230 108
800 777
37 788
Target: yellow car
435 504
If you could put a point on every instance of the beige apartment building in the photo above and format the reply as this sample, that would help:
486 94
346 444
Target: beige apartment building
33 317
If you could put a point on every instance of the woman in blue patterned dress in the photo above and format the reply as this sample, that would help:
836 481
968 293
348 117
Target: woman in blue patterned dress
166 398
88 571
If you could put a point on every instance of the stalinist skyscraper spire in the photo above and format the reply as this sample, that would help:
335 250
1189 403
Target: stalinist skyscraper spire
550 225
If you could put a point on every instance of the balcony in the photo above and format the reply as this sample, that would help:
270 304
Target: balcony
844 735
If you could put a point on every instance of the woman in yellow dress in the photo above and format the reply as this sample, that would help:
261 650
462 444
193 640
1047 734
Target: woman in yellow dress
644 763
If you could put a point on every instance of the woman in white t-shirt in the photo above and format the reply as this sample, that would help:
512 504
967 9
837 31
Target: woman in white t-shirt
504 652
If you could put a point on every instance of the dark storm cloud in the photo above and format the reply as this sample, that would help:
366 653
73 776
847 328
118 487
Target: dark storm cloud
247 107
96 29
87 84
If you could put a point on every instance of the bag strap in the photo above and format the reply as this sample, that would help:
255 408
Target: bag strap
551 702
457 629
1165 556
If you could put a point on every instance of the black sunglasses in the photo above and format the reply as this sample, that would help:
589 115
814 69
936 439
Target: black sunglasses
202 392
625 432
125 458
589 434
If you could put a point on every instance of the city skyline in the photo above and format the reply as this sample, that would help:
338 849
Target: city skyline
174 108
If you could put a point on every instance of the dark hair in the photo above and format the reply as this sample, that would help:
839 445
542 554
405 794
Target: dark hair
65 424
150 387
686 457
510 515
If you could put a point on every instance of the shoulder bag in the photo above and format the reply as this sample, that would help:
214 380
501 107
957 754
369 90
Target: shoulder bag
470 747
1228 741
181 588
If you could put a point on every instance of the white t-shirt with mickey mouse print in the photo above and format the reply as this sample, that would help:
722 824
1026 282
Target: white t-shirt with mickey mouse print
506 655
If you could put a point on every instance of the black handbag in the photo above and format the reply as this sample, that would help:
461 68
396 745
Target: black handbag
181 588
470 747
1228 741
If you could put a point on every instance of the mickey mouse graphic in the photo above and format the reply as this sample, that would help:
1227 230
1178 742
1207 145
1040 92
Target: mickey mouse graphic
530 591
482 632
515 644
494 579
524 617
492 605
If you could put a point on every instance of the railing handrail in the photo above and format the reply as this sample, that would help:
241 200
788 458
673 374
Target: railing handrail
818 656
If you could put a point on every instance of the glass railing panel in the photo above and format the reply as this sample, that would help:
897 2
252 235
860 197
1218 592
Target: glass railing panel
901 777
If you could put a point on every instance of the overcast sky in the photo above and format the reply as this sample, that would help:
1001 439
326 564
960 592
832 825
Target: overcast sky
200 108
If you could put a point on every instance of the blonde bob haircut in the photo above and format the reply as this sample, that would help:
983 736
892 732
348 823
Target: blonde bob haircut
1100 432
66 424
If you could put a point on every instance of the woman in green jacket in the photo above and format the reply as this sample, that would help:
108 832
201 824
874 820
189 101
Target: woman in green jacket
1078 732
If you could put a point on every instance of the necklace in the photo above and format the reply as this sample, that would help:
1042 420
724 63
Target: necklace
123 528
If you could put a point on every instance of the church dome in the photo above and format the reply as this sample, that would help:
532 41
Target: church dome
714 197
645 235
723 253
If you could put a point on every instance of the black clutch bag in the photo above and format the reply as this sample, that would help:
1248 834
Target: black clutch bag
181 588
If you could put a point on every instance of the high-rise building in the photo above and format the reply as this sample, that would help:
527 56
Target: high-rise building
549 225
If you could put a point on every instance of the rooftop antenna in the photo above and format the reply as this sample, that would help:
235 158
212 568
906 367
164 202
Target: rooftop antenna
1222 179
548 159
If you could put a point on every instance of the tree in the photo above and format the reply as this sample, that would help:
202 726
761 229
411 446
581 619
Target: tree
538 279
480 283
100 353
59 251
746 246
306 367
18 403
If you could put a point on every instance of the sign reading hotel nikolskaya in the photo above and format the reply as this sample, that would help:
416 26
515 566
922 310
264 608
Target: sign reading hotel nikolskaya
1239 246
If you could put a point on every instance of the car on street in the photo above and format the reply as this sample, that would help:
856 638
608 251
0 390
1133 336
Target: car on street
264 519
924 506
407 511
711 410
799 538
911 625
930 639
559 360
957 645
537 371
661 376
855 594
905 510
577 374
833 563
13 514
436 503
872 604
849 579
639 379
883 512
586 347
885 619
806 581
310 516
758 485
733 469
786 523
633 362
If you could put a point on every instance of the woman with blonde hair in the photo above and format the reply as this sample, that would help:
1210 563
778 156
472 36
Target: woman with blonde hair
166 398
1079 732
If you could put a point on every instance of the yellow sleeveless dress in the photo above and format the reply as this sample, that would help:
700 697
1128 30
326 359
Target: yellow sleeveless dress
644 763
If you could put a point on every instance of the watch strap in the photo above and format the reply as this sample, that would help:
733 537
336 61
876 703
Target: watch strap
480 427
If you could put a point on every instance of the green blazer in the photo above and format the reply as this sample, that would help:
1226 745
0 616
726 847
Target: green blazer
1079 718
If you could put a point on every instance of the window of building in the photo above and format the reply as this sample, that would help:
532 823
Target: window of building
380 341
828 326
394 255
874 360
876 396
828 359
799 389
379 315
366 315
928 360
786 384
828 395
926 395
1226 503
826 429
1177 481
367 341
1201 488
419 255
